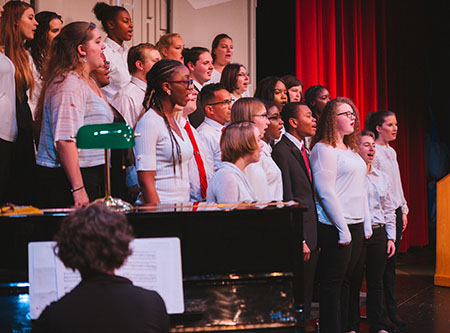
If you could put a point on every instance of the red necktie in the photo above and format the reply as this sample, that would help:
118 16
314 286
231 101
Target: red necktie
305 158
198 159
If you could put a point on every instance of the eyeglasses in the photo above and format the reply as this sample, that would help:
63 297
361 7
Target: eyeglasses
275 118
224 102
349 114
243 74
264 115
187 83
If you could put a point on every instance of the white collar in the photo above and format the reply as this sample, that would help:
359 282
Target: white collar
217 126
114 46
141 84
294 140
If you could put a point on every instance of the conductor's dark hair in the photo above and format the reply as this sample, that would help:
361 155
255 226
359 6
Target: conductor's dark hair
94 239
104 13
376 118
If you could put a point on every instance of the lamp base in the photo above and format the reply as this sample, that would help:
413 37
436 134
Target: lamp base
116 204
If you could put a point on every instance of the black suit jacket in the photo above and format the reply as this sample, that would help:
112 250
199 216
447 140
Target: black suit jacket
297 186
105 303
197 117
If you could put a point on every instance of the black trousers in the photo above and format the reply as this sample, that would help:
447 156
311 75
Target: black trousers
6 155
337 263
54 187
389 272
374 258
309 268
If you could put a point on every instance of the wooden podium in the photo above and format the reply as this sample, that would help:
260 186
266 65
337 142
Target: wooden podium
442 274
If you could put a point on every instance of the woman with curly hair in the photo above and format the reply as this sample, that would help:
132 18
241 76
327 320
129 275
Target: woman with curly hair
342 207
96 241
18 25
316 97
50 25
164 149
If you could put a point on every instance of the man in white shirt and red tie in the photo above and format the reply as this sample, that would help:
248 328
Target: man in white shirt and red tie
200 167
298 185
216 101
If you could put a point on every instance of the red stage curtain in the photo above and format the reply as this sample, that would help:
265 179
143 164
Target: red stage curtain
355 49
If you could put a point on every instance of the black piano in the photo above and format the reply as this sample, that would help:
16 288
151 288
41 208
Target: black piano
242 266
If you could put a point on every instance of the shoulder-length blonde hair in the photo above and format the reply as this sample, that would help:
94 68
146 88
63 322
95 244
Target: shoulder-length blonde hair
13 42
165 41
245 108
238 139
327 127
63 58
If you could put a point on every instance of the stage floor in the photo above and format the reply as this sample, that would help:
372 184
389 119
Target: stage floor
425 307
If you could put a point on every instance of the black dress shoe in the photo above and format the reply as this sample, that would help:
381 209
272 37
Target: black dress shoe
399 322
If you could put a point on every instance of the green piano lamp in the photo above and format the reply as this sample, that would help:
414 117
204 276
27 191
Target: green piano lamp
107 136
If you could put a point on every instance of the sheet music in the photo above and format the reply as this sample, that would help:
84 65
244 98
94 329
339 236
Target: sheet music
155 264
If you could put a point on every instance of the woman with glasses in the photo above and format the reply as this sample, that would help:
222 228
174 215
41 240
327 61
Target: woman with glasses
71 98
241 146
163 149
236 79
264 176
342 207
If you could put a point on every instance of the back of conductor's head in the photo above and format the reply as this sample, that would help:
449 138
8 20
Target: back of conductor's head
94 240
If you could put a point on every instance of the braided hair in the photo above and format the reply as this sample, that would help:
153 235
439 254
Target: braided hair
161 72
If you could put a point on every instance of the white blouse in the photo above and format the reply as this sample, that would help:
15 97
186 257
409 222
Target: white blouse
8 125
386 161
68 106
34 97
340 178
381 206
229 185
265 177
153 152
118 67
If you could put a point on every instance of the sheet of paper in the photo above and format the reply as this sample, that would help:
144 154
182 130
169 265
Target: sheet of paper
155 264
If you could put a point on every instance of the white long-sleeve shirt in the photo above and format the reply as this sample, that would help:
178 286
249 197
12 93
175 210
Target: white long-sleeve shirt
119 76
210 131
229 185
381 206
386 161
128 101
340 178
8 125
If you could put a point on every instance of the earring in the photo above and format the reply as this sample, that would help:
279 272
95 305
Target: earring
84 60
168 92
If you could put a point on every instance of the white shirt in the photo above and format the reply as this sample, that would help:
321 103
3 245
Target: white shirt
8 124
210 131
340 178
34 98
381 206
198 86
153 152
194 175
215 77
68 106
119 76
128 101
386 161
229 185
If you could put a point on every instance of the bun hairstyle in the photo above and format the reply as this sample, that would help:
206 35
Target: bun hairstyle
104 13
39 46
193 54
216 42
376 118
161 72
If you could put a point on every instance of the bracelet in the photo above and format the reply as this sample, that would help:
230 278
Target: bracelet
76 189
